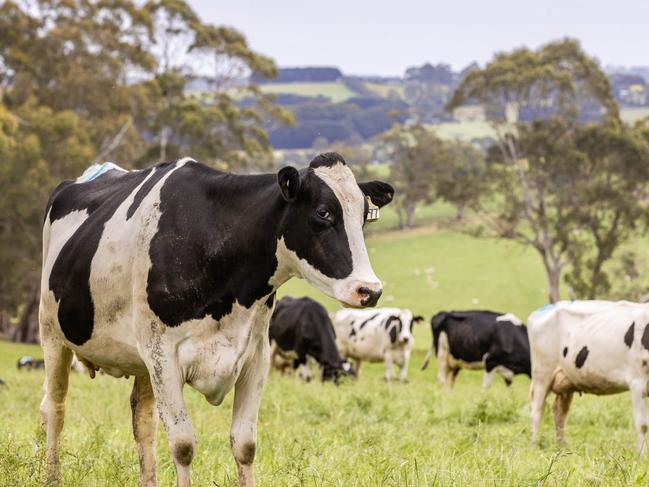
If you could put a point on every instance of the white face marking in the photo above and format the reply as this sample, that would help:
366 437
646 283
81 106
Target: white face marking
341 181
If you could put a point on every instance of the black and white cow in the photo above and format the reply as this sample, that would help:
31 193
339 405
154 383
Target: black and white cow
30 363
597 347
299 329
495 342
169 274
378 335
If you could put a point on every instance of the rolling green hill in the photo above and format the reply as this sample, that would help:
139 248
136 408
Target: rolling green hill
337 92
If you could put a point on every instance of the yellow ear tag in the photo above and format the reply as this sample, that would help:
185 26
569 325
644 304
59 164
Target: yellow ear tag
372 210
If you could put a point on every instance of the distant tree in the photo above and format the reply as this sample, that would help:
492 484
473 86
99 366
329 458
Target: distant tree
568 190
417 155
463 180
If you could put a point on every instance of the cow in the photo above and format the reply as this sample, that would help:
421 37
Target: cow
495 342
30 363
300 328
169 275
596 347
378 335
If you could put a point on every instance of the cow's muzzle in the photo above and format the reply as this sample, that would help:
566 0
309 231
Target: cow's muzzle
369 296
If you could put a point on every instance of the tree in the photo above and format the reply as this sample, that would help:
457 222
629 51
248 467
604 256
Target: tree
86 80
463 180
573 200
417 155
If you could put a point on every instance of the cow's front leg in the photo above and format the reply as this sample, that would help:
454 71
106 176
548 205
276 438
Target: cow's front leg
638 401
403 372
145 425
389 366
167 385
248 392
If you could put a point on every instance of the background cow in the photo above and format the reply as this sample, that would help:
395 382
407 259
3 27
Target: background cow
302 326
379 335
169 274
598 347
495 342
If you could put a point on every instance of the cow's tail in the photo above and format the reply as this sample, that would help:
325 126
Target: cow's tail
436 325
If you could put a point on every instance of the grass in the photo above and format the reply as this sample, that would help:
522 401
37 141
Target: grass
365 433
337 92
384 89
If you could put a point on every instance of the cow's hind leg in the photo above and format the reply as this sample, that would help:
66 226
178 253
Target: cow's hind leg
248 392
57 371
560 408
638 400
145 425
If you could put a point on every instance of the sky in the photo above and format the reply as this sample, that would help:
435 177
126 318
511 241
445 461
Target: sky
378 37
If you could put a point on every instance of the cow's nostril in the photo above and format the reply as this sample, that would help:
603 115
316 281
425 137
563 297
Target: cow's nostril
368 296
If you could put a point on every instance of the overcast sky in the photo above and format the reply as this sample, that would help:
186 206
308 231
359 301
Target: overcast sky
385 37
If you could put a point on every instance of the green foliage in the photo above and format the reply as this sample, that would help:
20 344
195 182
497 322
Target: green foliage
85 81
571 191
417 155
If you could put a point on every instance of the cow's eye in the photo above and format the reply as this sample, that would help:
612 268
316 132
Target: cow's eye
323 213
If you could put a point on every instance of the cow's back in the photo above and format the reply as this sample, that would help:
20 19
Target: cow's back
96 237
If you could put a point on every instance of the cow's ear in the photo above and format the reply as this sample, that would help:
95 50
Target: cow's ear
379 192
418 319
288 179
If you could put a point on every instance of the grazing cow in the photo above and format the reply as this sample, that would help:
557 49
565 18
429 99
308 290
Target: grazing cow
379 335
597 347
302 326
30 363
169 274
495 342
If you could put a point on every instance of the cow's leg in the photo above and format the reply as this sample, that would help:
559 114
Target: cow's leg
452 375
248 392
167 386
560 409
145 425
403 371
57 371
389 366
357 367
539 392
488 379
638 400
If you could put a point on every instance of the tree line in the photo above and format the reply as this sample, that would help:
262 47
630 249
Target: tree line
574 191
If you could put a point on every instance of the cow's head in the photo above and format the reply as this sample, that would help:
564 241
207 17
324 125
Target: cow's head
400 326
323 228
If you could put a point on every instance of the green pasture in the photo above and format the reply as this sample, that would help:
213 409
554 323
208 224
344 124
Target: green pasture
362 433
337 92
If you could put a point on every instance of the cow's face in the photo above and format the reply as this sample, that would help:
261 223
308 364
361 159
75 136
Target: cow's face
323 228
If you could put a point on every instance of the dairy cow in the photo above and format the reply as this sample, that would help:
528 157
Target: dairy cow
169 274
597 347
379 335
301 329
495 342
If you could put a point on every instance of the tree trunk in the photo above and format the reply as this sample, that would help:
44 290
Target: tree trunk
460 213
400 218
554 280
26 331
164 139
410 212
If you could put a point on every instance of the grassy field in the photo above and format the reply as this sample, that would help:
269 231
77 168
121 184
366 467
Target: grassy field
363 433
337 92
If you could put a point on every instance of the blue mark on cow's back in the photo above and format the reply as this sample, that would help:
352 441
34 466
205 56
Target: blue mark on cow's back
97 170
